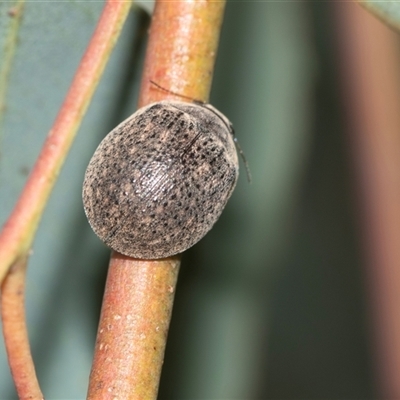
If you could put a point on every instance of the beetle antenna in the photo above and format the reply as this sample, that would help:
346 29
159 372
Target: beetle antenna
245 162
176 94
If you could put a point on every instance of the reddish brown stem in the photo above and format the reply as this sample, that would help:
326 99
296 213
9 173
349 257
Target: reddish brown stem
182 49
18 232
129 351
370 61
16 335
132 332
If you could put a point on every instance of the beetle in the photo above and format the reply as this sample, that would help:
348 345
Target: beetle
159 181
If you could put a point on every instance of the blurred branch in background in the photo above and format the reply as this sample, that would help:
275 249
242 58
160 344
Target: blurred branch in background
369 56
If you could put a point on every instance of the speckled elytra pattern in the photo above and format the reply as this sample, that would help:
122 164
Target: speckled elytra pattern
159 181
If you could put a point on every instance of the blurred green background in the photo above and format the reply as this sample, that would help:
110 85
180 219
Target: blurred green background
271 303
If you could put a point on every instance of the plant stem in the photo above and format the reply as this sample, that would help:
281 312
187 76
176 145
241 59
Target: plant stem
182 49
139 294
18 232
16 334
131 338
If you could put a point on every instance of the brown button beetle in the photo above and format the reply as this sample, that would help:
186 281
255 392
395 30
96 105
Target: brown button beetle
159 181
